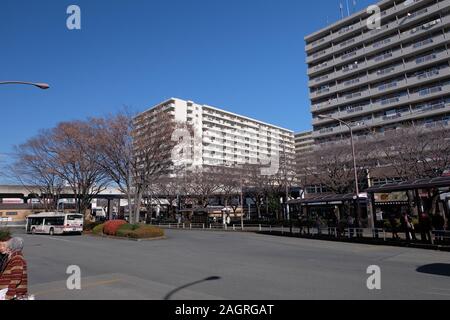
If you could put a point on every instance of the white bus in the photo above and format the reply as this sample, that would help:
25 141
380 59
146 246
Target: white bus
55 223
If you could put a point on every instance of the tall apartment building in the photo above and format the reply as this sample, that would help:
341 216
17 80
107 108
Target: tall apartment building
304 143
222 138
377 80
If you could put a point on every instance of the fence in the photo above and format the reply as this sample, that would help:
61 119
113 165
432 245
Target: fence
332 232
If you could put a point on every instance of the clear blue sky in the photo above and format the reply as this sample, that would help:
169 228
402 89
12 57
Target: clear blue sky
246 56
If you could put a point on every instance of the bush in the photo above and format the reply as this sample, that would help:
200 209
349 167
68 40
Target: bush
5 234
89 225
139 231
110 227
98 229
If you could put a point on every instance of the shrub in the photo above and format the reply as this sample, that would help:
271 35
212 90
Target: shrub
139 231
98 229
89 225
5 234
110 227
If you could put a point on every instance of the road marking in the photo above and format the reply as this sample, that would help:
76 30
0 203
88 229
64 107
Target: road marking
93 284
439 294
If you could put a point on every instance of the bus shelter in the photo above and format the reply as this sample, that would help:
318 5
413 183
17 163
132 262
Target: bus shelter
431 196
331 208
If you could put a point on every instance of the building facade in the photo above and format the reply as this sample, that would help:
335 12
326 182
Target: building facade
380 79
222 138
304 143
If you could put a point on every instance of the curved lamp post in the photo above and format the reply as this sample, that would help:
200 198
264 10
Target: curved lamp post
43 86
321 116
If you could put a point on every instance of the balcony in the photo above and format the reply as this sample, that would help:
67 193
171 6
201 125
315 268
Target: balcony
389 103
422 29
324 105
320 67
318 43
385 58
354 28
323 92
429 59
355 96
430 92
346 85
425 44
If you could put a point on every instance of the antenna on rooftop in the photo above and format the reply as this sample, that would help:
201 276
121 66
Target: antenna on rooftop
341 7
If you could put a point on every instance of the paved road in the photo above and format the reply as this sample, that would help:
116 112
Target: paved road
244 266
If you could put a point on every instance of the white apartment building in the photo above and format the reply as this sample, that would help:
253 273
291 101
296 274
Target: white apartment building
222 138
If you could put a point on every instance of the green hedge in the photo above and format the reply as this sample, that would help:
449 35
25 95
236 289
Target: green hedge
89 225
98 229
139 231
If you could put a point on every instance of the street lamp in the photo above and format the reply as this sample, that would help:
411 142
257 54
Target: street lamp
43 86
321 116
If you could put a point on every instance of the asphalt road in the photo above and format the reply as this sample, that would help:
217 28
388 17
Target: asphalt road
239 265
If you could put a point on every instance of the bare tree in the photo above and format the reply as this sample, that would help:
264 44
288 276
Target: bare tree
203 184
65 154
33 169
136 153
415 153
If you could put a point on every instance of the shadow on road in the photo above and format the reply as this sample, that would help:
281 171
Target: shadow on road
171 293
440 269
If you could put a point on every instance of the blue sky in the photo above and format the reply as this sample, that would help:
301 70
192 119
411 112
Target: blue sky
246 56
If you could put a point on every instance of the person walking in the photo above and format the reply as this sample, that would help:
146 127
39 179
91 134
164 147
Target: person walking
14 277
409 227
425 227
393 223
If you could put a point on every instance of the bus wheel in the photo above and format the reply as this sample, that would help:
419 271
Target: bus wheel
33 230
51 232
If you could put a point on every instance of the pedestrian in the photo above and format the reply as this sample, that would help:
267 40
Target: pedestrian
425 227
4 237
394 229
408 227
438 224
350 225
14 277
319 225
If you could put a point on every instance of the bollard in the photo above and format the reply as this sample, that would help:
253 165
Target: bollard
270 228
203 226
282 229
210 227
190 226
260 229
234 227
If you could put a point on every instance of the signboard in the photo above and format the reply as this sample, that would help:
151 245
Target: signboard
391 197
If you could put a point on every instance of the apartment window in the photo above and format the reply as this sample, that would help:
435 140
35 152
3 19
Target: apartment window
387 85
350 67
11 213
352 81
385 71
425 26
422 43
426 58
381 43
431 90
383 56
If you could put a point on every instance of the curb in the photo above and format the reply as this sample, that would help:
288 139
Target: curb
128 239
362 241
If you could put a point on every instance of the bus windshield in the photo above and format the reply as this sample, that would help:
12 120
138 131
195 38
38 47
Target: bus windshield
74 217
